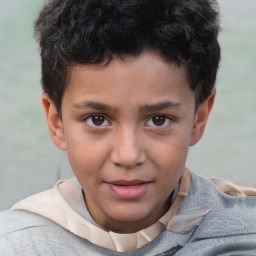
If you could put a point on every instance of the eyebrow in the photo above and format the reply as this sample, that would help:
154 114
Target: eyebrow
160 106
93 105
144 108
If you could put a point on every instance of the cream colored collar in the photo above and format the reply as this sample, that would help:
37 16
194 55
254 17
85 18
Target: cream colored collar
62 204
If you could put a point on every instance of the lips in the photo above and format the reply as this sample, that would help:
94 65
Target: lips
128 190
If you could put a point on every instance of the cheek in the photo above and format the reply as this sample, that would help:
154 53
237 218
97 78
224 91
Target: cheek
169 158
86 157
172 151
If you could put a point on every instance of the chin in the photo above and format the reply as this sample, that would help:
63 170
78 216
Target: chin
129 214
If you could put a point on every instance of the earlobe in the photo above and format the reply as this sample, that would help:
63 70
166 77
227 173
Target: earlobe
54 122
201 118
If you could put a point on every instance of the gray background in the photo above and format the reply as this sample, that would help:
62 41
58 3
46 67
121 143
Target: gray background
29 162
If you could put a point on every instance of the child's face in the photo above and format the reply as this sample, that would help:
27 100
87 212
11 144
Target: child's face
127 128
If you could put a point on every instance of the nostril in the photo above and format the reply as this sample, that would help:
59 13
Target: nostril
127 151
128 162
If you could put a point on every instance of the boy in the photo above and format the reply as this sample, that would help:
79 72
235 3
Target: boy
128 87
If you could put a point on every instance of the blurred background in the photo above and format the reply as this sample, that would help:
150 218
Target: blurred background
29 162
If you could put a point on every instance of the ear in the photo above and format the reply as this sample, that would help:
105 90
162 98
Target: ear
201 117
54 122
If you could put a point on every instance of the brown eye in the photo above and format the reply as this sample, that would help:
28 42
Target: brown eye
97 121
158 120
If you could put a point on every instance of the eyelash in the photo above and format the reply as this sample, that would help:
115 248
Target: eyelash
85 119
166 118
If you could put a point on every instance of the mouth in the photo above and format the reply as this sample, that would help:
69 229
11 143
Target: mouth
128 190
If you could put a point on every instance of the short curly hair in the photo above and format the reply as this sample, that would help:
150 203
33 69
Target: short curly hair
72 32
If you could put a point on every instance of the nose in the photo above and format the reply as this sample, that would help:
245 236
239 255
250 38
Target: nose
128 151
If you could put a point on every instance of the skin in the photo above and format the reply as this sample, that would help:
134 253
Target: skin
144 122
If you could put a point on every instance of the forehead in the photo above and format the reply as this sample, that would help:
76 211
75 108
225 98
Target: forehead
145 77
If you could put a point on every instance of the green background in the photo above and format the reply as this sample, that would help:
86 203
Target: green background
29 162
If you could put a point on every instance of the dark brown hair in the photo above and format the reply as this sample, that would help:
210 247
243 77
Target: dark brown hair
86 32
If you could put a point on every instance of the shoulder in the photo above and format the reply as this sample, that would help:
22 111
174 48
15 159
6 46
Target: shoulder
219 187
232 188
15 228
232 207
15 220
26 233
223 196
19 223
